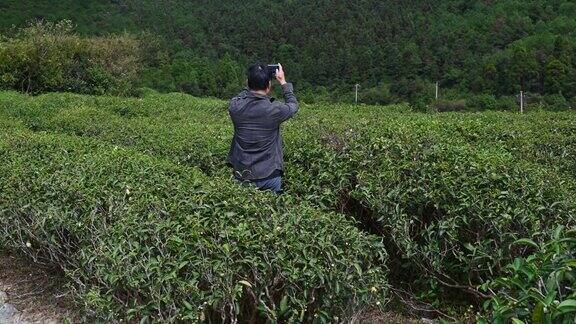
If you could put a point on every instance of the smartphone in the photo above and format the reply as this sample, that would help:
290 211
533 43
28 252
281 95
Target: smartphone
272 70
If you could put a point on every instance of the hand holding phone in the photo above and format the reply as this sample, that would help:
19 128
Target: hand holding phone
276 71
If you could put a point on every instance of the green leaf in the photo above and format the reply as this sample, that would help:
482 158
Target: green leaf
187 304
525 241
358 269
558 231
284 304
538 313
567 305
550 298
469 247
570 263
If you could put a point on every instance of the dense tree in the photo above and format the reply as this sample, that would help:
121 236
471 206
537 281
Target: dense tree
493 47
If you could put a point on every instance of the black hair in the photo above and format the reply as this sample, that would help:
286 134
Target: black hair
258 77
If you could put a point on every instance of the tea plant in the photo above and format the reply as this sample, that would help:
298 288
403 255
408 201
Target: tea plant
538 288
142 238
448 194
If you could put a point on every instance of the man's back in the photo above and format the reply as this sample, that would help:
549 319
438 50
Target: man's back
256 151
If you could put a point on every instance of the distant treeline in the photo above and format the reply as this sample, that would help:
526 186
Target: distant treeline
395 50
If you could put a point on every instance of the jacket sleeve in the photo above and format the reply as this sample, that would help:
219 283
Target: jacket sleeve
284 111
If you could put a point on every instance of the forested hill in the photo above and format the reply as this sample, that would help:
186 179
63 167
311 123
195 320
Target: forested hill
393 48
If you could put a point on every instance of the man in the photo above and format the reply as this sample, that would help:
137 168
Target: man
256 152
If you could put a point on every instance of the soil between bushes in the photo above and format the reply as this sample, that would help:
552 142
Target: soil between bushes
31 293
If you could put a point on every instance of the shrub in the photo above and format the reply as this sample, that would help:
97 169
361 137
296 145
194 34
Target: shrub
160 242
50 57
448 193
116 57
538 288
412 89
379 95
556 102
507 103
531 98
314 95
430 185
452 211
482 102
308 96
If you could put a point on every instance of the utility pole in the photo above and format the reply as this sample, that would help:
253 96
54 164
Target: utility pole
436 90
356 87
521 102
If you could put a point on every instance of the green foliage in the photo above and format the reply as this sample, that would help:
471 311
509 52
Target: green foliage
448 193
379 95
449 105
540 287
509 103
50 57
157 241
451 211
498 48
557 102
482 102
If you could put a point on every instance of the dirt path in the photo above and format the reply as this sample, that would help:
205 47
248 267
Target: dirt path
29 294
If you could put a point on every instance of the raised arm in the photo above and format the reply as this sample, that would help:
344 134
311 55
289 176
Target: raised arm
284 111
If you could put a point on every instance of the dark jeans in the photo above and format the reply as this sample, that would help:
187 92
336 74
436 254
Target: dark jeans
274 184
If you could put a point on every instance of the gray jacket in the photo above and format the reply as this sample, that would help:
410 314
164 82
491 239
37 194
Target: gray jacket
256 151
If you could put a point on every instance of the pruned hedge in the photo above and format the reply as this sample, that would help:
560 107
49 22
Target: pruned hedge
448 193
141 238
453 211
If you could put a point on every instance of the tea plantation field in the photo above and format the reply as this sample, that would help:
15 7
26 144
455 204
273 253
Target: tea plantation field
132 199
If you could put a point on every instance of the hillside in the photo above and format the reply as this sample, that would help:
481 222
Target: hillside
394 49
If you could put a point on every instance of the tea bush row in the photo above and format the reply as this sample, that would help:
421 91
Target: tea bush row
141 238
448 193
541 137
